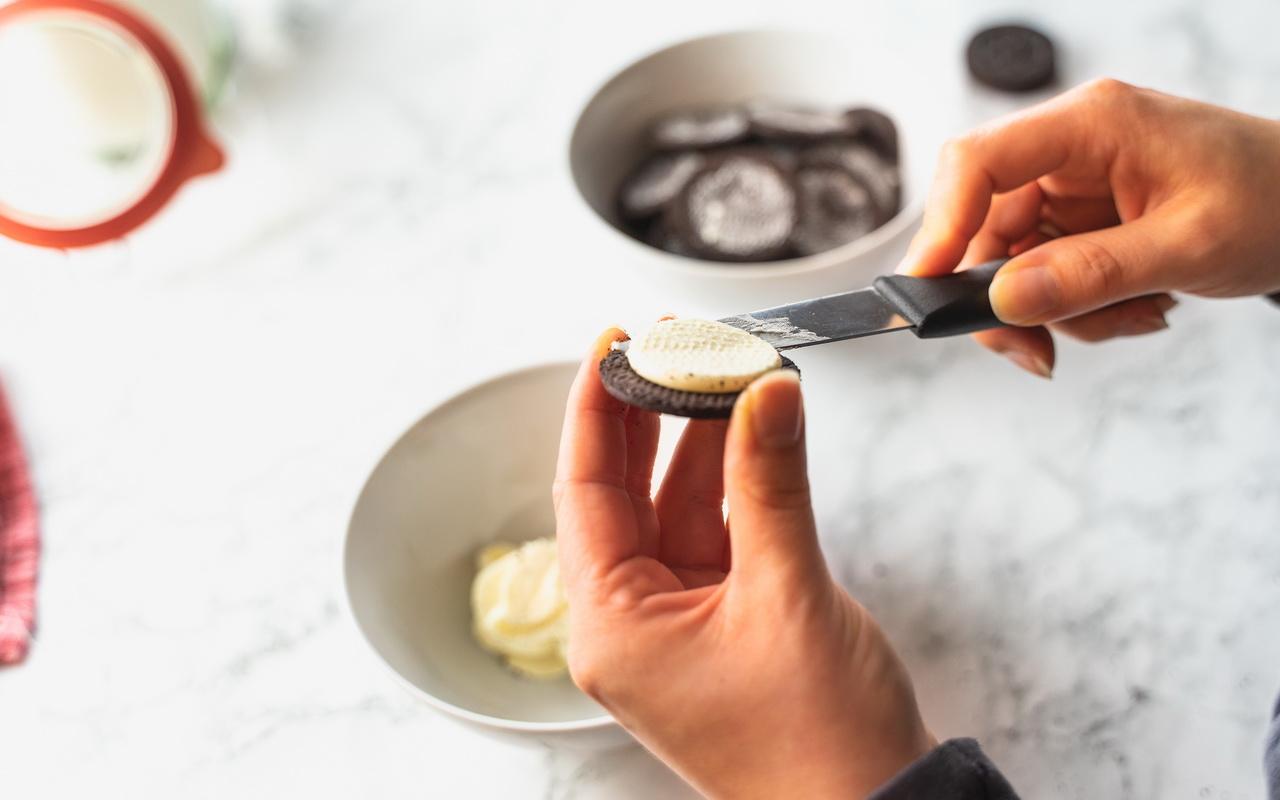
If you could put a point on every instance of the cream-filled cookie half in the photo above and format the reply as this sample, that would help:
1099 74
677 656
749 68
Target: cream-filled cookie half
699 355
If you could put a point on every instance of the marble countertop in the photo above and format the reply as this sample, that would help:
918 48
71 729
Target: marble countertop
1084 573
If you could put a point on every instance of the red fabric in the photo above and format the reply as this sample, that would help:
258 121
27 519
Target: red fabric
19 544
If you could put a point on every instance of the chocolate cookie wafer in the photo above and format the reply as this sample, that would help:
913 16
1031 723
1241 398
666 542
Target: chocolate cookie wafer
737 208
622 382
874 129
1013 58
659 234
776 122
881 178
700 128
657 182
835 209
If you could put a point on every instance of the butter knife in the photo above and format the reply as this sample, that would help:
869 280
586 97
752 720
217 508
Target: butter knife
928 307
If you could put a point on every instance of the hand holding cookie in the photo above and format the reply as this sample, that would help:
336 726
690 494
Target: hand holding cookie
1108 197
727 649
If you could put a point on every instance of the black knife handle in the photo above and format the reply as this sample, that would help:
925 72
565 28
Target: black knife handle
946 306
1275 298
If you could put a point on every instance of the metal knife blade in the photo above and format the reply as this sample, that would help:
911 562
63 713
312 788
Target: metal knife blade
825 319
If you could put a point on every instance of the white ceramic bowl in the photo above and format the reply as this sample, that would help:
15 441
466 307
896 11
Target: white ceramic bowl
857 68
477 469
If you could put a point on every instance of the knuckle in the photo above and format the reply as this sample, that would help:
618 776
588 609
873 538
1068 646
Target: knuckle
587 673
1199 232
780 495
1099 273
1109 90
1117 97
706 499
599 666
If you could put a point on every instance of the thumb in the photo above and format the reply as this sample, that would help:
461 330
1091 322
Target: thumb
1072 275
771 527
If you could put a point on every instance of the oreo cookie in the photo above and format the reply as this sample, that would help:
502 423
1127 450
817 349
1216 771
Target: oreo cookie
720 183
783 155
774 122
657 182
659 234
882 179
737 208
622 382
874 129
835 209
700 128
1012 58
786 156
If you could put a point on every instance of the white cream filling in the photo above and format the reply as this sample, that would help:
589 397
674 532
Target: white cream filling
698 355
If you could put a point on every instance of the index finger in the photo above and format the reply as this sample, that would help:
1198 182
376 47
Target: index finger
595 519
998 158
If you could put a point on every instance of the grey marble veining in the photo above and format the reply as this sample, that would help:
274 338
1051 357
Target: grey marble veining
1083 574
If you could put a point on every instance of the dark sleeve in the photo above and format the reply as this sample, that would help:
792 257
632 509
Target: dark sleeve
957 769
1272 758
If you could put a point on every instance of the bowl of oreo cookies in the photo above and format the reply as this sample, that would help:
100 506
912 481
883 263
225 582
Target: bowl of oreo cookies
757 155
763 181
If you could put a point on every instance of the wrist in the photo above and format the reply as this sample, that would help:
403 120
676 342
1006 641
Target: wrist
807 767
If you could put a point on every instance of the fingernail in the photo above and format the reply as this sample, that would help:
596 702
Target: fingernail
777 410
1142 325
1034 364
605 341
1165 303
1024 295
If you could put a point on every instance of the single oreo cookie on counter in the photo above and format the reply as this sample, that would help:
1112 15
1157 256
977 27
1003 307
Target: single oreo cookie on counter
700 128
776 122
881 177
737 208
656 182
1013 58
625 384
835 209
876 130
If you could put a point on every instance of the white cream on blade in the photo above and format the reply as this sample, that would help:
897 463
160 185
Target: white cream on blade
518 607
699 355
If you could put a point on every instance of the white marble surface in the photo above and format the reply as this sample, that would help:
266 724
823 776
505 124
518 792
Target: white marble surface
1084 574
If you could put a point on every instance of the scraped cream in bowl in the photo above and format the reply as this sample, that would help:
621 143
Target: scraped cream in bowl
518 607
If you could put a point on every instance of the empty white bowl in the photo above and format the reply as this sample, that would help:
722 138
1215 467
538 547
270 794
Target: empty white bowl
475 470
857 68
